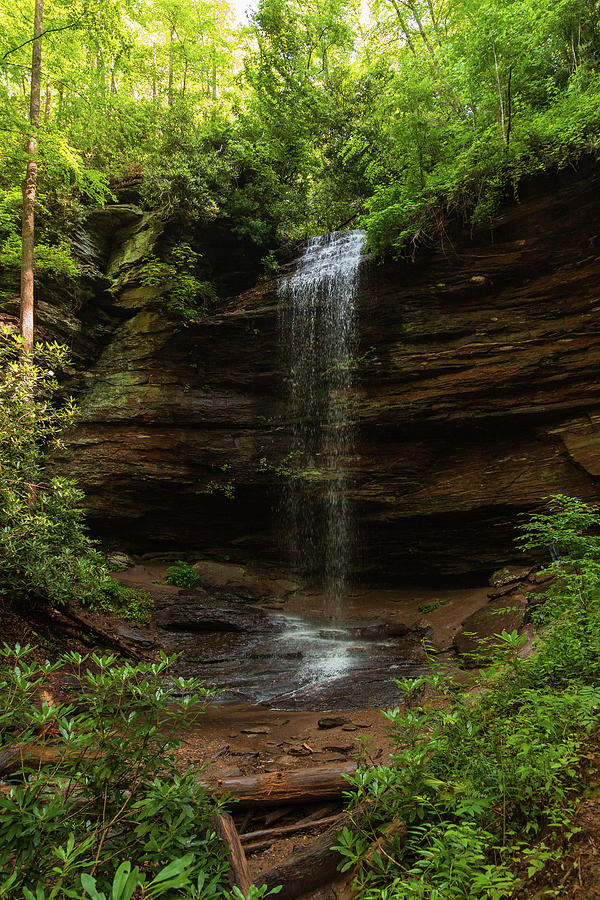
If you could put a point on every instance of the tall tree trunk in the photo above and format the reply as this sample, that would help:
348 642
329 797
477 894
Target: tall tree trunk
184 85
154 73
30 182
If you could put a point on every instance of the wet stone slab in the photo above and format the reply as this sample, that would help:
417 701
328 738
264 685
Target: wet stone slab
299 663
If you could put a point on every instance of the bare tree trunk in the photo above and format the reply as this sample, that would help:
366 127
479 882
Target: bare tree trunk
183 87
499 86
47 102
154 73
30 183
509 104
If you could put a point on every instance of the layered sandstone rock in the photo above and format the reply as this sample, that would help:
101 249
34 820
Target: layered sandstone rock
477 396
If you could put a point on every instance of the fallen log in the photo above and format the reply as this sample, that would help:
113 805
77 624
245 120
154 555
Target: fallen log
316 864
104 637
274 788
313 865
7 757
239 875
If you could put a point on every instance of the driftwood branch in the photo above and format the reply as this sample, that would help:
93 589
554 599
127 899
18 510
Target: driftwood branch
257 840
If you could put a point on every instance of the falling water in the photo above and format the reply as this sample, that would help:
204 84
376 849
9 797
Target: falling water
318 340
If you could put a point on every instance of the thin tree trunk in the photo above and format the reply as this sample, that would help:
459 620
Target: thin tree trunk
48 102
185 69
170 95
509 104
30 183
154 74
404 27
469 76
499 86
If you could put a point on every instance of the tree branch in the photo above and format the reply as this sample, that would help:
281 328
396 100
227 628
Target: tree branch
36 37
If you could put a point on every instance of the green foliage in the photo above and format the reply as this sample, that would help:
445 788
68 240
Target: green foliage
181 574
44 549
127 603
108 787
184 296
478 779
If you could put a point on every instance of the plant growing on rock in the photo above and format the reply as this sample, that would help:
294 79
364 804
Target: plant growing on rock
183 295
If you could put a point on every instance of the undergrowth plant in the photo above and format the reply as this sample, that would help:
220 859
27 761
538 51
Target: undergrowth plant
486 773
182 575
45 550
102 810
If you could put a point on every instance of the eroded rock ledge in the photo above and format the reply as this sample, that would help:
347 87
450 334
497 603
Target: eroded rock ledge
478 395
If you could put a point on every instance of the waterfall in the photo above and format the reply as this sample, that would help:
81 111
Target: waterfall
317 327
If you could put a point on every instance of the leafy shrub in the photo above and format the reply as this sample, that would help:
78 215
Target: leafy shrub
181 574
472 778
107 786
128 603
44 548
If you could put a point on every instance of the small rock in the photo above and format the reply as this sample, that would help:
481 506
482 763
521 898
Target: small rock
542 576
118 561
339 748
478 279
509 574
333 722
256 731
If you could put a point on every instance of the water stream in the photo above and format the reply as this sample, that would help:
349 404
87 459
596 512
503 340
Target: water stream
317 327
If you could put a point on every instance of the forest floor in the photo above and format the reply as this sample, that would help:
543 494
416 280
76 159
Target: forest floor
236 739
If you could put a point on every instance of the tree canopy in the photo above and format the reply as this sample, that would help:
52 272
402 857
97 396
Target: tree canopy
394 114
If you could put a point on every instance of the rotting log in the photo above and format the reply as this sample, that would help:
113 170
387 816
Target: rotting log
311 866
239 875
274 788
316 864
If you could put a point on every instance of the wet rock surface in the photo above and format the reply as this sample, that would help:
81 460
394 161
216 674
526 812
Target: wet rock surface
297 655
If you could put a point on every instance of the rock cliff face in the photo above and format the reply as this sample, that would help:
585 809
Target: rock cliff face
477 396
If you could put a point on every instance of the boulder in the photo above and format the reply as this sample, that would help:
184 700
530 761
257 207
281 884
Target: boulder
477 639
196 611
241 582
118 561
